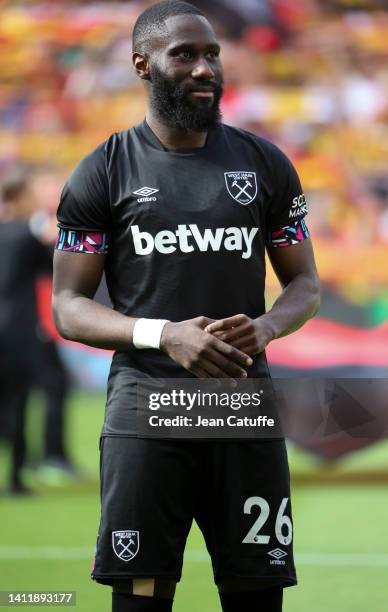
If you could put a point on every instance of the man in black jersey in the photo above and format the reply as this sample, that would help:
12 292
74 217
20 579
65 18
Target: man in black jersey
178 211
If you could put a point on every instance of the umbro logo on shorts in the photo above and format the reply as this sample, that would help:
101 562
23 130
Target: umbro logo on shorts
277 554
146 194
189 238
125 544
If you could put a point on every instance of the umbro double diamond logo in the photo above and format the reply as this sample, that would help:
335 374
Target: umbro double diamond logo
146 194
277 554
145 191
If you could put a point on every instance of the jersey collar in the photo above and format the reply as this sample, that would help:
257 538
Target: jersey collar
145 132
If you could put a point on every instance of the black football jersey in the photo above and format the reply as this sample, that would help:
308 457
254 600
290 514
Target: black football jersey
187 233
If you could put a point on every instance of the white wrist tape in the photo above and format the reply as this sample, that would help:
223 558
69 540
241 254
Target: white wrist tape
147 333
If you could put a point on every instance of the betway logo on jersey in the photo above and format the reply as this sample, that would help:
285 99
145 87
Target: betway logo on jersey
299 207
189 238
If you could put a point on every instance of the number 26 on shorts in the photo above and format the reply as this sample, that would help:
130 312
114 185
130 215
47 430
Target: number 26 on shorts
283 522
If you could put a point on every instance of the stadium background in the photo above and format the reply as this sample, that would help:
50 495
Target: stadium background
312 76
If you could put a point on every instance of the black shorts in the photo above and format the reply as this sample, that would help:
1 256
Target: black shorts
237 491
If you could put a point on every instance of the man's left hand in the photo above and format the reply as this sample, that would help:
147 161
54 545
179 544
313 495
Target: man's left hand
250 336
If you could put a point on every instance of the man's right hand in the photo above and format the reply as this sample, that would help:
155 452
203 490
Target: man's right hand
201 353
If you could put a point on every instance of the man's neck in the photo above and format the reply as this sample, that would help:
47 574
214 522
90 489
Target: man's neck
174 137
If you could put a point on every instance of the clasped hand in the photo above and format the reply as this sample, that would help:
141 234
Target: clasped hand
215 349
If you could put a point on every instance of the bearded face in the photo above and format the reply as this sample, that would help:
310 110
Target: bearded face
189 104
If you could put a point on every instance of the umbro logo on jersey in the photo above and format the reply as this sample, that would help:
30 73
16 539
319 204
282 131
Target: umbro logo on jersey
242 186
189 238
145 193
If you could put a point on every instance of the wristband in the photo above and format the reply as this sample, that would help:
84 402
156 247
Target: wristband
147 333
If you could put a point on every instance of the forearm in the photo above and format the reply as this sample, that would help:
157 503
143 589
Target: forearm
298 302
81 319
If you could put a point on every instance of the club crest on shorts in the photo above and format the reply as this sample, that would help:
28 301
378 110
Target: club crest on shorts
242 186
125 544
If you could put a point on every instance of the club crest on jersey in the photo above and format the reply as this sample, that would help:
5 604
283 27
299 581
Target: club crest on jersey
125 544
242 186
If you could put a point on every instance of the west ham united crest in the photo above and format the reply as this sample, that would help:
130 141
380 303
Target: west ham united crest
125 544
242 186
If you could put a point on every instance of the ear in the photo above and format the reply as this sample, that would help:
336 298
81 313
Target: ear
141 65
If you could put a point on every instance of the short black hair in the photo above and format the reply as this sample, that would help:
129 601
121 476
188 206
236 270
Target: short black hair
153 19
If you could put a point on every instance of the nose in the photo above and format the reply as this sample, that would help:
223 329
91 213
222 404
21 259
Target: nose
202 70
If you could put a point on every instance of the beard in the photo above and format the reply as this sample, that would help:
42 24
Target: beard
171 101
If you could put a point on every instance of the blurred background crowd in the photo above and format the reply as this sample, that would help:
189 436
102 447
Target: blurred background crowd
309 75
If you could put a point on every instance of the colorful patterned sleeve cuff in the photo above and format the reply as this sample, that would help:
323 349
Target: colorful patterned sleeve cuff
77 241
288 235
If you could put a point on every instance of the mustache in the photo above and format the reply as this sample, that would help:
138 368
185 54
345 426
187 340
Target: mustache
179 89
204 86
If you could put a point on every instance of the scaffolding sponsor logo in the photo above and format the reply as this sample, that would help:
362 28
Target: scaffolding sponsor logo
299 207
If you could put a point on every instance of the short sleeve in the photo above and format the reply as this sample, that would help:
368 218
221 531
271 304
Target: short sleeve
288 202
84 203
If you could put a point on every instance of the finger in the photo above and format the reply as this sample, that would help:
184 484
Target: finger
237 332
251 349
232 353
227 323
214 365
205 321
219 377
211 380
243 342
216 373
200 373
225 365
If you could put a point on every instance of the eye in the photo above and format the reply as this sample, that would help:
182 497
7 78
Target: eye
185 54
212 55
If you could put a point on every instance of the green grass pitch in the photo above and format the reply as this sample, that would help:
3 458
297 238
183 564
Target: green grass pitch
341 536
